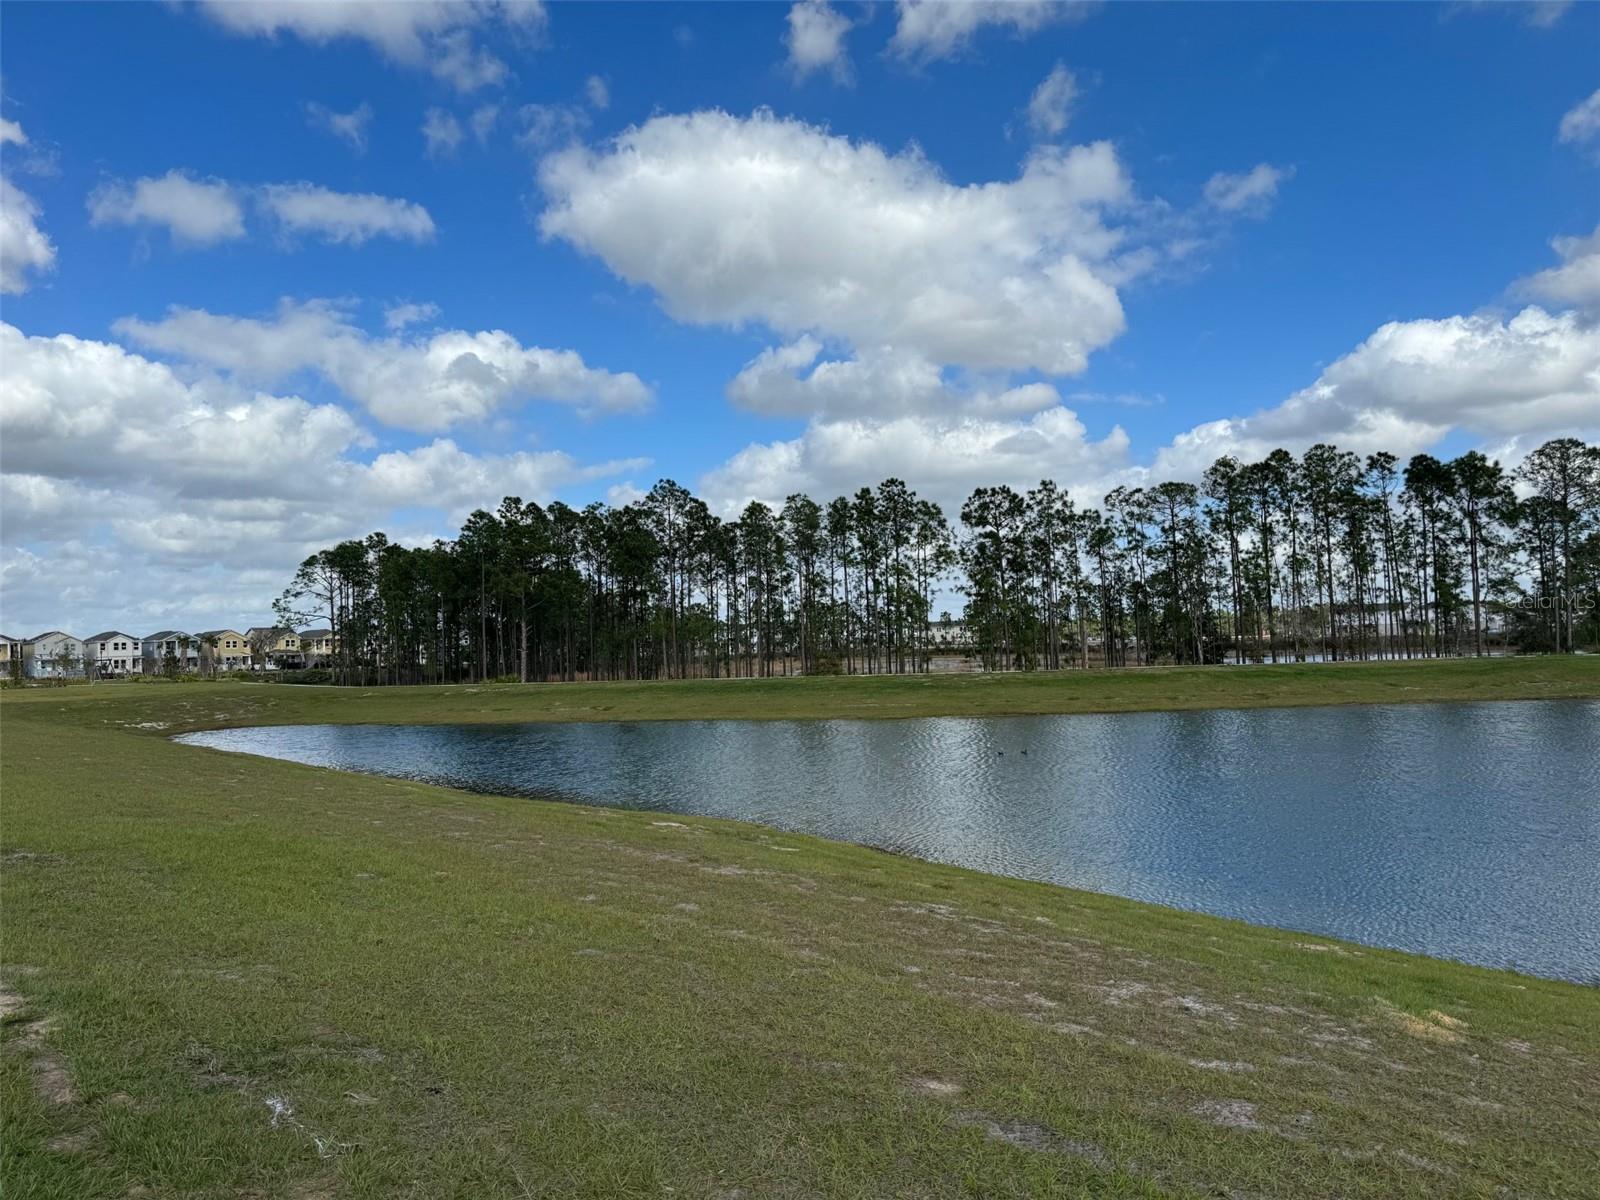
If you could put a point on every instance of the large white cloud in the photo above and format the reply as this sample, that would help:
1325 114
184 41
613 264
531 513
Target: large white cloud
1412 382
423 383
196 212
732 220
133 496
789 380
932 29
436 34
943 458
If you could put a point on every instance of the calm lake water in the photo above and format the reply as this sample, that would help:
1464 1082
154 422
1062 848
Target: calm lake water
1467 831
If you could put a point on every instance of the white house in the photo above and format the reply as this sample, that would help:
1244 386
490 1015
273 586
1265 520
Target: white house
184 647
53 655
113 653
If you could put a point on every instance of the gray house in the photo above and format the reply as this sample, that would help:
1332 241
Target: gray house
53 655
185 647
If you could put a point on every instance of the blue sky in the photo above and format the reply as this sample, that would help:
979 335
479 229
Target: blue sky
1281 223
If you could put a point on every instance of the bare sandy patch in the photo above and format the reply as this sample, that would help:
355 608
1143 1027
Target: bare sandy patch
1230 1114
51 1081
1029 1135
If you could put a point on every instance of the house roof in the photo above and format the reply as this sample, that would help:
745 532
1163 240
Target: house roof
6 637
220 632
39 637
108 634
165 634
275 631
316 633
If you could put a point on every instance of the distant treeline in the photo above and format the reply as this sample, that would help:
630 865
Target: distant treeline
1327 556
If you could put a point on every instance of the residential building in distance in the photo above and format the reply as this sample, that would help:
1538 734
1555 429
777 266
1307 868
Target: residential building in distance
317 645
224 650
174 643
275 647
10 656
53 655
112 653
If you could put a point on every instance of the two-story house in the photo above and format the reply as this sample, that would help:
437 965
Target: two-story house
317 645
10 657
53 655
111 654
224 650
170 646
275 647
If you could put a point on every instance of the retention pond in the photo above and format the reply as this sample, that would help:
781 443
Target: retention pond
1465 831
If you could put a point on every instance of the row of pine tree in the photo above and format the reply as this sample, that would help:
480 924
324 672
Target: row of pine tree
1325 556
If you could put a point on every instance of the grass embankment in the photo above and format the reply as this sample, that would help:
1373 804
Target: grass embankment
459 995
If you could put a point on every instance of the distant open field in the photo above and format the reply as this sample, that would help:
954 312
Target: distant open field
231 977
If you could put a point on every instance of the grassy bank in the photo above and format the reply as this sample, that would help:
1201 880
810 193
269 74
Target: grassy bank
863 697
458 995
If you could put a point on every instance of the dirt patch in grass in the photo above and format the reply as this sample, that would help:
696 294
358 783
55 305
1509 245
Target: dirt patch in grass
1435 1027
29 1039
1029 1135
1229 1114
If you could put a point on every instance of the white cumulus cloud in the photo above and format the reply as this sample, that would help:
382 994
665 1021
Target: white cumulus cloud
1576 282
25 249
931 29
423 383
815 39
195 212
1412 382
943 457
135 497
342 217
439 35
705 208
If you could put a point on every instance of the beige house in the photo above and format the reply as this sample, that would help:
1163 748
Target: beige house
225 650
111 654
10 656
275 647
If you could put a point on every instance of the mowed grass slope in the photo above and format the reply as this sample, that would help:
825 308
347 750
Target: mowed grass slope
821 697
226 976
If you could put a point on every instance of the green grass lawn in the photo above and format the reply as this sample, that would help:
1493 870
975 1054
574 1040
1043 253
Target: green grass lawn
227 976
